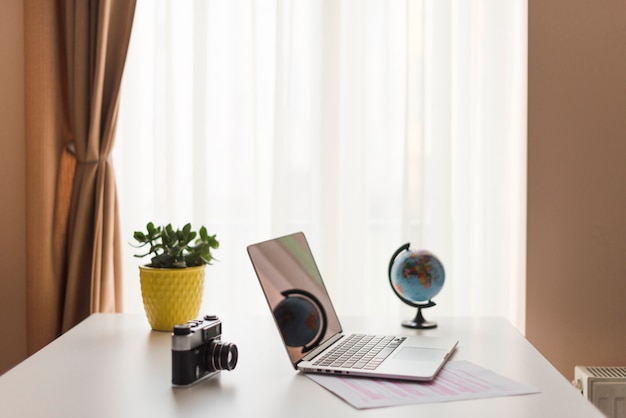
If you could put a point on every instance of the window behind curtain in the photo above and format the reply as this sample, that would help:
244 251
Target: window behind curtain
365 124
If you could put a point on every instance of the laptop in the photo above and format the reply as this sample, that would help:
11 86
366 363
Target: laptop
311 331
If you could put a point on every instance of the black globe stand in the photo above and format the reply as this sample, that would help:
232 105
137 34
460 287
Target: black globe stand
419 322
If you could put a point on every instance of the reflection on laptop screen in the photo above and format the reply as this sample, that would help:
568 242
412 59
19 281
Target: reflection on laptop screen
295 293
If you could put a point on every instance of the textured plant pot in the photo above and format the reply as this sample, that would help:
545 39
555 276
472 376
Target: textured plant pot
171 296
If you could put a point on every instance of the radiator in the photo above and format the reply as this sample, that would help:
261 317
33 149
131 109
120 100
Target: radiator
605 387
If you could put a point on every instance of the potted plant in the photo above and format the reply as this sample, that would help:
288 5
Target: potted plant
173 282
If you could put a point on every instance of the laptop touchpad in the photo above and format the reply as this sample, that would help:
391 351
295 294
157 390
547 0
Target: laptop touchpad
420 354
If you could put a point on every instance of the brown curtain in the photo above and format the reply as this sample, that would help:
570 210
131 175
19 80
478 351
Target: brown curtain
75 54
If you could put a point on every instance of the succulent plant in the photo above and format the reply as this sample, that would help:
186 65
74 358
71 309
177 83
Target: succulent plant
176 248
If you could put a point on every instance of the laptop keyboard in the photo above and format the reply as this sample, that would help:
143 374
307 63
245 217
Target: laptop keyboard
360 351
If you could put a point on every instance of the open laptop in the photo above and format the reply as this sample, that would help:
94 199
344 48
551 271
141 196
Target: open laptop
310 328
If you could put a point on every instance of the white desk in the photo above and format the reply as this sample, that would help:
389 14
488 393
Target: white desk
114 366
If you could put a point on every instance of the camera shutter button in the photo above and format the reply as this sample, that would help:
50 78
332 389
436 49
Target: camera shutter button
182 329
210 317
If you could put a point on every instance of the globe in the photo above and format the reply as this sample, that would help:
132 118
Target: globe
416 277
298 320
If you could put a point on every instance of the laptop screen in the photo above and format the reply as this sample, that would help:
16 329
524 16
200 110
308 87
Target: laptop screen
295 293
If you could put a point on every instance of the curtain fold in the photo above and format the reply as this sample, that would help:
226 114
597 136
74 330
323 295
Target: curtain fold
94 40
74 57
44 132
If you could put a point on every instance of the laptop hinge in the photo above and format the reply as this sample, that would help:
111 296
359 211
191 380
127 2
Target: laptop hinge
322 347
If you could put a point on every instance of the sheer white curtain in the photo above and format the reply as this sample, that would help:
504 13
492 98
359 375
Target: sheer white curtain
365 124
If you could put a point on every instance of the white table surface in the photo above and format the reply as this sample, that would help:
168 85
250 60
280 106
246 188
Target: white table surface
113 365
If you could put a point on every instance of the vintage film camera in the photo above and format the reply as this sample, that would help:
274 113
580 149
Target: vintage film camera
198 353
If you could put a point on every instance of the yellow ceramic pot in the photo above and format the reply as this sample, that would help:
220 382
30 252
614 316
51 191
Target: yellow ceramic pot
171 296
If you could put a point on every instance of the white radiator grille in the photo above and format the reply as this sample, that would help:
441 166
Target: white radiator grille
605 387
614 372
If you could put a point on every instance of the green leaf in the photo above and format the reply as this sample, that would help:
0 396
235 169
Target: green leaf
139 236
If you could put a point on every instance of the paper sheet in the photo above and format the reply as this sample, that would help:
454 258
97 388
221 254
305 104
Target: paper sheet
458 380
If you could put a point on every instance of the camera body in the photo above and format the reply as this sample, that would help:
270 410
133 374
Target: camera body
198 352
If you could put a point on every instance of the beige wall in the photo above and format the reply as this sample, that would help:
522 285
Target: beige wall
576 272
12 185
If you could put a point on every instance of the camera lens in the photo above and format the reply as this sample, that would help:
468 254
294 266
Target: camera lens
221 356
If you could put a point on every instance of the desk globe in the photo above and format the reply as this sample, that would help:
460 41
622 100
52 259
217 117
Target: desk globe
301 319
416 277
